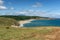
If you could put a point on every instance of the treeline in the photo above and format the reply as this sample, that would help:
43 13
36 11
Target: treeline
21 17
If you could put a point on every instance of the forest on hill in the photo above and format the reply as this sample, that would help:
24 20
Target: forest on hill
24 17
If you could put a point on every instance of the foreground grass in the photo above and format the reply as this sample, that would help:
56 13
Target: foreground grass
41 33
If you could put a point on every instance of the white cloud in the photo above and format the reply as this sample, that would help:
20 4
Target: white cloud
1 2
22 12
37 4
2 8
31 13
55 15
38 13
1 5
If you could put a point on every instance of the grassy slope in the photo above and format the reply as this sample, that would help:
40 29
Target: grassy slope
23 33
7 21
42 33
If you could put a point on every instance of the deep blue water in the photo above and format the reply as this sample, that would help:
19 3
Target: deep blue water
35 23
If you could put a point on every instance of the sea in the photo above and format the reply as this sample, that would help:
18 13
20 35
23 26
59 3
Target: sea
38 23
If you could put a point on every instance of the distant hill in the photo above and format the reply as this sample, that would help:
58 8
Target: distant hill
20 17
23 17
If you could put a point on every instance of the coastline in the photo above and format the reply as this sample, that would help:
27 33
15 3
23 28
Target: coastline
24 22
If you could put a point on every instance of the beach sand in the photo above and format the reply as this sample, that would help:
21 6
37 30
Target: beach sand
24 22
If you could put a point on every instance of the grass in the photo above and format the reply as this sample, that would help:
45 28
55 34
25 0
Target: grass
38 33
22 33
7 21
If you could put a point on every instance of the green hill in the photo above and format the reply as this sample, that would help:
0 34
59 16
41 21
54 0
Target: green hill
7 21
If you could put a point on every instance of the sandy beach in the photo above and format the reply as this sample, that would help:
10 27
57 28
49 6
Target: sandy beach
24 22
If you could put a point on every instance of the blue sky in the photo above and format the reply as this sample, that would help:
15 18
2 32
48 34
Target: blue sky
45 8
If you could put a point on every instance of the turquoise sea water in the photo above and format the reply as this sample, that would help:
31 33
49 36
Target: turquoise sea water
35 23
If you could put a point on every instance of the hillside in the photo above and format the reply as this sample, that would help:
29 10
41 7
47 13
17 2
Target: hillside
7 21
24 17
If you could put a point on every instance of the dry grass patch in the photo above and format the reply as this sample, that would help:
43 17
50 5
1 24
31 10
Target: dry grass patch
29 33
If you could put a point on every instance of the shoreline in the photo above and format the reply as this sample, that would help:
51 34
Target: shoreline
24 22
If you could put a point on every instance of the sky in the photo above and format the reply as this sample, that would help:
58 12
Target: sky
44 8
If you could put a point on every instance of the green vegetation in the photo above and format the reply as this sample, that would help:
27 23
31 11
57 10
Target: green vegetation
23 33
23 17
7 21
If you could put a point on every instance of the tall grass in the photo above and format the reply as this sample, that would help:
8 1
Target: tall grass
23 33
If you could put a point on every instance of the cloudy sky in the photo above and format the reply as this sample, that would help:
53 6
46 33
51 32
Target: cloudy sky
45 8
